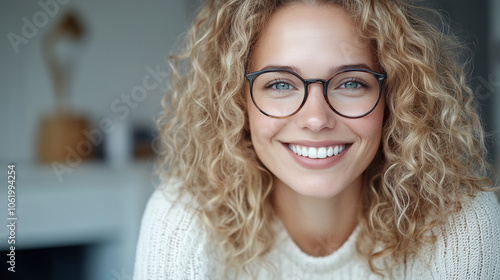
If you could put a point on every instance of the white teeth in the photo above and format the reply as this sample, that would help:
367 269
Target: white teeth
313 152
304 152
330 151
322 152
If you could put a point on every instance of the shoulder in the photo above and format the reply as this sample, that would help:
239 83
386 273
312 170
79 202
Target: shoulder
467 245
477 224
172 243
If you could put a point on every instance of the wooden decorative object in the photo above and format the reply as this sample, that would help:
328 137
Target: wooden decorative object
61 138
61 134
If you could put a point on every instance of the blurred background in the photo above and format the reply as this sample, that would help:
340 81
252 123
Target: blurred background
80 87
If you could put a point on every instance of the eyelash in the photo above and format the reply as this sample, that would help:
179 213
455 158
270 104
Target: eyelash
275 82
355 80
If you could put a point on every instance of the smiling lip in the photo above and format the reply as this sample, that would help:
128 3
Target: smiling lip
317 155
317 152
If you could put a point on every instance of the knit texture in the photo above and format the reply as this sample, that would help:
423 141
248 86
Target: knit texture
173 245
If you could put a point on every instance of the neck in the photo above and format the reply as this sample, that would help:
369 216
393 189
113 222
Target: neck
318 226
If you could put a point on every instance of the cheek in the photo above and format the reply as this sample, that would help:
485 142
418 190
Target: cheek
257 124
262 128
370 127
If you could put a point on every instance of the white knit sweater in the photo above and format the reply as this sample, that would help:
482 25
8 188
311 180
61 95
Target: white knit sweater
173 245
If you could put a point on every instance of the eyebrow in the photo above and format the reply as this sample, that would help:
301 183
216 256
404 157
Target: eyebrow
332 70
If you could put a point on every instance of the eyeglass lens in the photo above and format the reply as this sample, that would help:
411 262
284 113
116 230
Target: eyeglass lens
281 93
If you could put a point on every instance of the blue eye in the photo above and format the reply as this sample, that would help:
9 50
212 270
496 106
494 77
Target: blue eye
351 85
281 86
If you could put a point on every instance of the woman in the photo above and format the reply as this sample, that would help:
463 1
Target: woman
320 140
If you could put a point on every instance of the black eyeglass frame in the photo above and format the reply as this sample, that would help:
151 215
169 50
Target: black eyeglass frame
250 77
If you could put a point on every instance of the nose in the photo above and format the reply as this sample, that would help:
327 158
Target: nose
316 114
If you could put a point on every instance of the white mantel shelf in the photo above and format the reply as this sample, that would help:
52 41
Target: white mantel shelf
94 205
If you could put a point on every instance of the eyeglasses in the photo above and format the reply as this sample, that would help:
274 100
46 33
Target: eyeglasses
351 93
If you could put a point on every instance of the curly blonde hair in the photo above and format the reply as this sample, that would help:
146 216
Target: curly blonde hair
432 152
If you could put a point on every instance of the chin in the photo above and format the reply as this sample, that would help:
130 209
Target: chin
319 189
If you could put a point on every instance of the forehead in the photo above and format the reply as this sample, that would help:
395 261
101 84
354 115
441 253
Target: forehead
308 37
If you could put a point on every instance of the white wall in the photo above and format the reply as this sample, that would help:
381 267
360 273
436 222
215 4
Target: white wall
122 39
